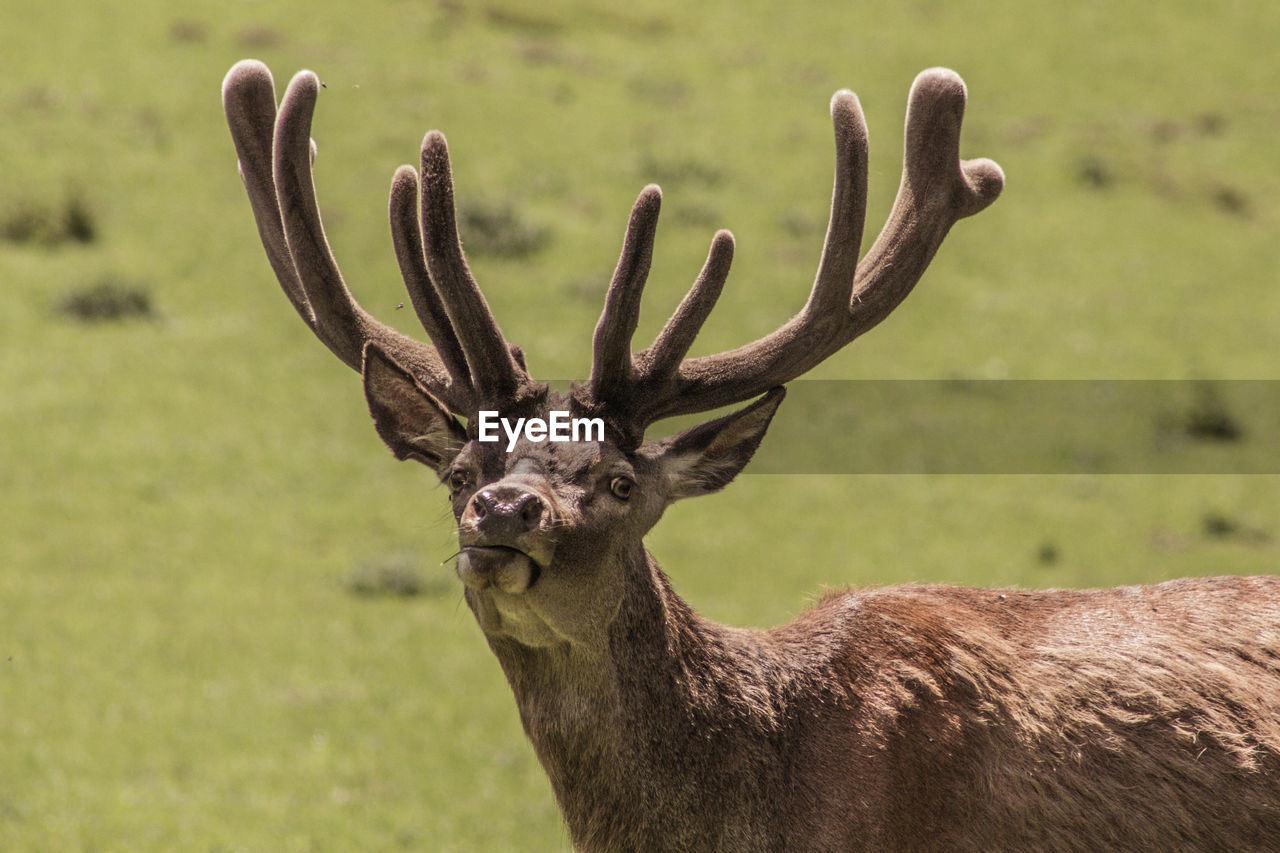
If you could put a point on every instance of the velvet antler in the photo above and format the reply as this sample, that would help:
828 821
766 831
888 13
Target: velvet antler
471 365
847 298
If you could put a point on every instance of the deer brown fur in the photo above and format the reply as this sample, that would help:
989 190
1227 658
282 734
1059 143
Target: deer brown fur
929 718
909 718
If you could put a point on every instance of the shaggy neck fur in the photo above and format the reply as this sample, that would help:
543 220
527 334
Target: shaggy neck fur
671 736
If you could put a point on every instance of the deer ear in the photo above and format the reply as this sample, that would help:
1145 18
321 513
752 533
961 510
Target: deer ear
707 457
414 424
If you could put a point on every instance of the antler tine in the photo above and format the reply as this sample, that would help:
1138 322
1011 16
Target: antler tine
847 298
839 261
496 371
677 336
405 234
249 100
340 322
937 190
612 373
275 153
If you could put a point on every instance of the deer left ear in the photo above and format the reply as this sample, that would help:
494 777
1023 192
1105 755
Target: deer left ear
413 423
707 457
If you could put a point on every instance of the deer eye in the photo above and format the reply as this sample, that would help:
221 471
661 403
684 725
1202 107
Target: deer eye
621 487
457 481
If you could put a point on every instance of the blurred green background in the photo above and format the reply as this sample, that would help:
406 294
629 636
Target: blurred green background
227 620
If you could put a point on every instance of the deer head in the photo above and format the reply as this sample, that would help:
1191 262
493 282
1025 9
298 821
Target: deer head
541 524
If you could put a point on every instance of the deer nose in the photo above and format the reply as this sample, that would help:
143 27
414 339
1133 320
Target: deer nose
506 511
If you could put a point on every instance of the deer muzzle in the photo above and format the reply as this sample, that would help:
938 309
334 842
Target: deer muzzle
505 537
507 569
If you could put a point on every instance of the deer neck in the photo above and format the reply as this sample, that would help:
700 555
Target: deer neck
648 721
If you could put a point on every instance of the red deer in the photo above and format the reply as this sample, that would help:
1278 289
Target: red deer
913 718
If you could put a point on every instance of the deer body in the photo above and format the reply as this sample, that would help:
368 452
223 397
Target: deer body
921 718
909 718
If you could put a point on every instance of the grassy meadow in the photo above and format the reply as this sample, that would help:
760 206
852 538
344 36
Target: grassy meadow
227 619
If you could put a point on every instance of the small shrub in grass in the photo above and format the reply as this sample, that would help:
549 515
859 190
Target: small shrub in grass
499 230
1222 526
108 300
1209 420
78 223
1218 525
398 576
1094 172
50 224
1231 200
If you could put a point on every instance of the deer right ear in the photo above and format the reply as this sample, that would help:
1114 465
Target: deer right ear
413 423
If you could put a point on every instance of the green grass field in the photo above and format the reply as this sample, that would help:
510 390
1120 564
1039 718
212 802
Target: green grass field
197 521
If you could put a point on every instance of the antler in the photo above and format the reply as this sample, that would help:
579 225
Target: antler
471 365
847 298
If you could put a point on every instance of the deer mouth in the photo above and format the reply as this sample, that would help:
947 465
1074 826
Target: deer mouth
508 569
